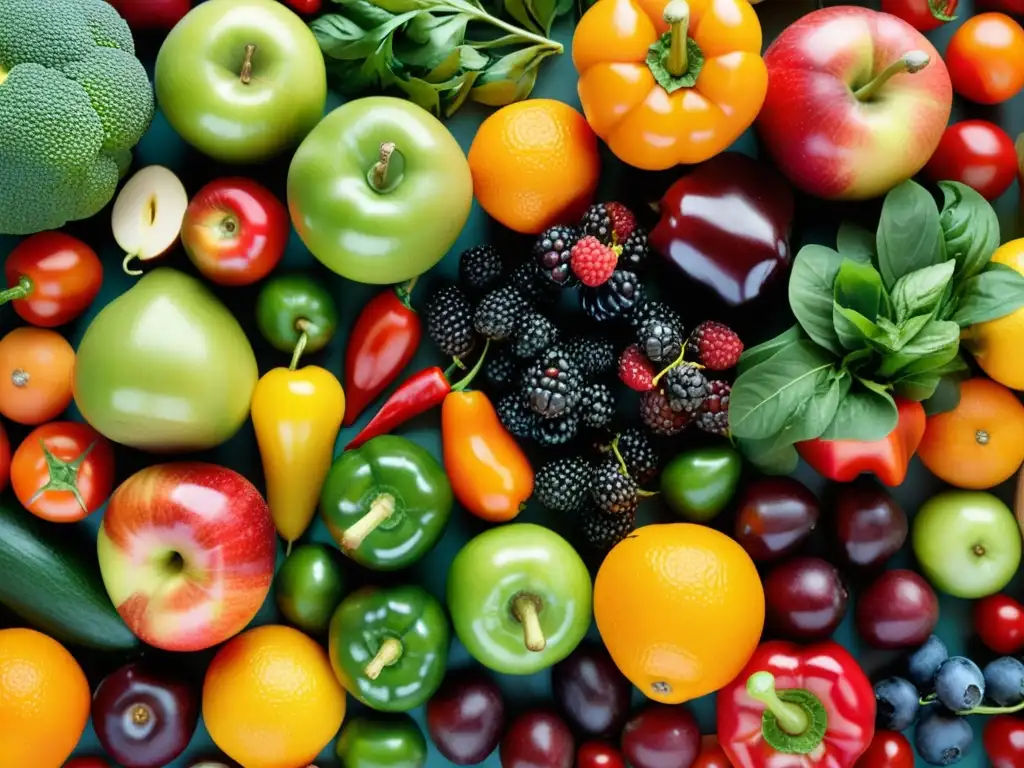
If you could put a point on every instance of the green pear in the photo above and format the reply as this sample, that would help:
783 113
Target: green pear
165 367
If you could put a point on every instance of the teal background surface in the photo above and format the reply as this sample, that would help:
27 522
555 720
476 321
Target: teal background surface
816 222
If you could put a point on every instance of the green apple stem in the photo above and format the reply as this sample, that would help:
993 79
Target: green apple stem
379 174
526 610
302 326
389 652
791 718
911 62
246 74
677 16
381 509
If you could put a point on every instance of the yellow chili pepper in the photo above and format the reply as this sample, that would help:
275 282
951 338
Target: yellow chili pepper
297 415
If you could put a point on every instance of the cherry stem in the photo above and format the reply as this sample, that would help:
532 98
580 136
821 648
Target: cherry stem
246 74
389 652
19 291
911 62
791 718
302 326
677 16
380 168
526 610
381 509
927 701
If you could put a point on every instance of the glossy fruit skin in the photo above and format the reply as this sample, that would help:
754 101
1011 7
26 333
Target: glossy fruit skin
918 13
155 14
888 749
1004 741
661 736
538 739
868 525
776 516
899 610
55 276
805 599
699 483
5 459
466 717
591 692
381 236
382 742
711 754
87 762
977 153
287 305
142 718
986 58
999 622
308 587
36 373
235 231
994 344
598 754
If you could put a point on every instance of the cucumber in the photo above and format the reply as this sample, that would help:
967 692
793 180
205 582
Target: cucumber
49 577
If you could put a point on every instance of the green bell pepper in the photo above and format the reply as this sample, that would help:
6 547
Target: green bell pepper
386 503
700 483
393 741
389 646
289 305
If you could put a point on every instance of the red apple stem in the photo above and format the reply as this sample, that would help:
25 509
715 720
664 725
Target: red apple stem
381 509
389 652
19 291
526 610
677 16
302 326
911 63
791 718
380 168
246 74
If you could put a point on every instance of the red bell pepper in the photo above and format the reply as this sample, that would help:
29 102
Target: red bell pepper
383 341
888 458
797 707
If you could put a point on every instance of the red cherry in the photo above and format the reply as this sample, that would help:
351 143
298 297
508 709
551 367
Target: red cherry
1004 741
999 621
598 754
888 749
711 754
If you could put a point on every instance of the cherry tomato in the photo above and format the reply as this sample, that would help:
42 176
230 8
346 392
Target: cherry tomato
598 754
924 15
711 754
999 622
52 278
5 459
37 369
1004 741
985 58
977 153
63 471
888 749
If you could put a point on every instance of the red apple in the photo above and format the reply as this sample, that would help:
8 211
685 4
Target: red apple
857 102
235 231
152 14
187 554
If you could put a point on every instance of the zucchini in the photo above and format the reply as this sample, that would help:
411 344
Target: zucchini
49 576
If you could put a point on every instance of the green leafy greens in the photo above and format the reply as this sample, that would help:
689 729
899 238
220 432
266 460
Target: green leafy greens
880 316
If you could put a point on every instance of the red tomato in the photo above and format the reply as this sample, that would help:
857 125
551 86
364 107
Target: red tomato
985 58
52 278
598 754
977 153
888 749
63 471
711 754
1004 741
924 15
999 622
5 459
235 231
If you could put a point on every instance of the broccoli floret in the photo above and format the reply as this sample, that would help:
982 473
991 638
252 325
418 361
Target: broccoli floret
118 88
107 27
49 32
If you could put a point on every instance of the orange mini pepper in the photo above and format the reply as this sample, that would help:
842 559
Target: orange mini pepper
664 84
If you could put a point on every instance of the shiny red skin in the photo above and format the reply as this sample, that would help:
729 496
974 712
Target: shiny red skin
1004 741
305 6
87 762
152 14
598 754
898 610
538 739
888 749
829 672
977 153
661 736
383 341
868 526
727 225
711 754
984 59
171 706
1015 7
776 516
918 13
5 459
419 393
591 692
235 231
999 622
466 717
805 599
64 274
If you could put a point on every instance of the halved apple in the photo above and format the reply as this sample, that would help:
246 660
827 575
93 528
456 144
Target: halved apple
147 215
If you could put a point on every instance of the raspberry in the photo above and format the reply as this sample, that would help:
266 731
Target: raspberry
713 416
716 346
623 221
635 370
592 262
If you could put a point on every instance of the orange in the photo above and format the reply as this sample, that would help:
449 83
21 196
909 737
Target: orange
980 443
37 369
680 608
998 344
271 700
535 164
44 700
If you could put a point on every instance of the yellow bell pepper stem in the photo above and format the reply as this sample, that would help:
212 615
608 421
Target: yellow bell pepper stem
677 16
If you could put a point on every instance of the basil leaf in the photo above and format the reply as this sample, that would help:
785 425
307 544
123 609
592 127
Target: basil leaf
817 412
858 286
434 43
857 359
811 293
995 293
936 343
921 291
908 329
855 242
536 15
853 330
945 397
866 413
766 396
970 227
770 456
366 13
338 38
510 78
909 236
755 355
917 386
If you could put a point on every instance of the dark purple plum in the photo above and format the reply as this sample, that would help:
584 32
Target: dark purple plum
868 526
776 515
538 739
591 692
466 717
661 736
898 610
805 599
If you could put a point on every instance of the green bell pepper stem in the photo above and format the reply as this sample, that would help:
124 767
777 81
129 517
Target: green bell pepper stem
677 16
911 62
526 610
245 76
382 508
389 652
791 718
302 326
19 291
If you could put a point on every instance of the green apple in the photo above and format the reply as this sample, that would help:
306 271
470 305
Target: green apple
699 483
967 543
241 80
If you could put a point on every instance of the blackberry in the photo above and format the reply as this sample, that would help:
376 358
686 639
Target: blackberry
594 356
515 416
686 388
526 279
602 531
597 406
498 313
647 309
613 491
615 298
502 370
635 251
713 416
552 383
661 341
480 269
658 415
597 221
449 319
534 334
556 431
551 254
640 456
562 484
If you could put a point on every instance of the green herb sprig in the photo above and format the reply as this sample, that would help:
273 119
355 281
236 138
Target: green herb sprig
880 315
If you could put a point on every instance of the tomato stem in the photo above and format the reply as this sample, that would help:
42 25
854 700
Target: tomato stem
911 62
63 475
677 16
15 292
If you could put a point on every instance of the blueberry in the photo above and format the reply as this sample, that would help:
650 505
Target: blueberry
897 701
1004 681
924 663
959 684
942 738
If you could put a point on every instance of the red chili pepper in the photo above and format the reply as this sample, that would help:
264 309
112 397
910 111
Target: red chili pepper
383 341
305 6
797 707
888 458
